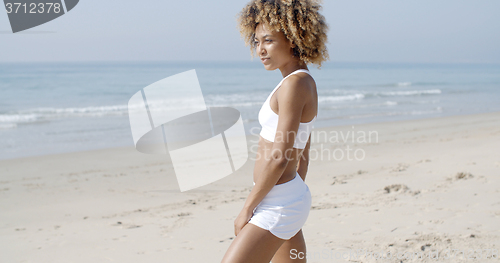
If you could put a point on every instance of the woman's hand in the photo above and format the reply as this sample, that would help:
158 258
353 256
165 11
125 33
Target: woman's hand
241 220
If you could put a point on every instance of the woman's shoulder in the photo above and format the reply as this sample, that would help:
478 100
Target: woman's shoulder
300 83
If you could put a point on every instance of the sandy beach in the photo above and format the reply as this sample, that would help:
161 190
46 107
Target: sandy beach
426 187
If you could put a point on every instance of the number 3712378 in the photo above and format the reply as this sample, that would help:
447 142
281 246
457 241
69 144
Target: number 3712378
33 8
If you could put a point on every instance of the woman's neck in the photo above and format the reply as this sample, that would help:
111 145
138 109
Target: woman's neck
291 67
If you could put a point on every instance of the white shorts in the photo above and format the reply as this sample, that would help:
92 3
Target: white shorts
285 209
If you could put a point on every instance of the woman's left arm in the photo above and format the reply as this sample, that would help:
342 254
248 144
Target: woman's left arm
291 104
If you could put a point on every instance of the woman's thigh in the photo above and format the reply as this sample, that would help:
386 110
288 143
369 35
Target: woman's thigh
252 245
292 250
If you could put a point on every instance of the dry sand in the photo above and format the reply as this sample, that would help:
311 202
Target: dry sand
422 186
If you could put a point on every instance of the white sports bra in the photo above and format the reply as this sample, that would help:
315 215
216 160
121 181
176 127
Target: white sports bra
268 119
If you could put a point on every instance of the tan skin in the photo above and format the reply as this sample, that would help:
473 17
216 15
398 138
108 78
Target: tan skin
277 162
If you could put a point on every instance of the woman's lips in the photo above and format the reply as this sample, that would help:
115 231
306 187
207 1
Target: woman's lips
264 60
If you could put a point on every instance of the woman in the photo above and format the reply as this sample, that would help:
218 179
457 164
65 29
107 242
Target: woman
286 35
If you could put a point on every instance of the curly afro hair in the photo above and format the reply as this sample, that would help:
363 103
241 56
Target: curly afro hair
299 20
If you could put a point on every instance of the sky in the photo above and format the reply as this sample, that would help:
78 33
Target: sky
411 31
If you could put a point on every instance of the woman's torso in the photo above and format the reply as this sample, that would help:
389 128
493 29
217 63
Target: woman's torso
265 146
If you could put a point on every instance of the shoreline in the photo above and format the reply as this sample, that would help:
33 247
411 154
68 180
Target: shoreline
425 185
340 127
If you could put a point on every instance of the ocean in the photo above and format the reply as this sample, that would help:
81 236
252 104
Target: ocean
48 108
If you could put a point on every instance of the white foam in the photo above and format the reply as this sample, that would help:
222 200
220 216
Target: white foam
403 84
47 113
357 96
43 114
410 92
18 118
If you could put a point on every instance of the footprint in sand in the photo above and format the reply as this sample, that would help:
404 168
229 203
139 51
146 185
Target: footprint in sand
227 239
461 176
399 188
338 181
126 226
396 188
401 167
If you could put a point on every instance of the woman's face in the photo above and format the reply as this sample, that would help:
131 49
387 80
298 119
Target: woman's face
273 48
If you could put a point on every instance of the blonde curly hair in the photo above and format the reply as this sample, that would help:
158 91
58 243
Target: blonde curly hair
299 20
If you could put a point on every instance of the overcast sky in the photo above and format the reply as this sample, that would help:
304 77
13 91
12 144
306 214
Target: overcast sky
425 31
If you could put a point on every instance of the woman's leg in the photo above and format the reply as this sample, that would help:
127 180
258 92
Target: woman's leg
252 245
290 250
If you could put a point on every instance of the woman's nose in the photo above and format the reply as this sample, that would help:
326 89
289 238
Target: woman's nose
260 50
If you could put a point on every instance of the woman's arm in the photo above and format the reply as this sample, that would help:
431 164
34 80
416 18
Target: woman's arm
303 163
291 103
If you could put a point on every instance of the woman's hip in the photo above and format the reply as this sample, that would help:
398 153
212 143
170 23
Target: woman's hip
287 193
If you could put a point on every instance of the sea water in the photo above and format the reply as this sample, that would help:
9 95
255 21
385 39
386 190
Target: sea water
48 108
